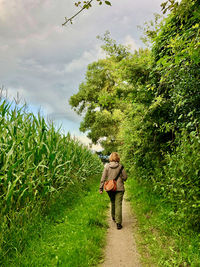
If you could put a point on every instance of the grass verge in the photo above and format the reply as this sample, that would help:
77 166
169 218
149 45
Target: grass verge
71 233
161 239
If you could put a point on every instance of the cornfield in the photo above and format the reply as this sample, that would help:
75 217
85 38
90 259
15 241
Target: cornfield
36 160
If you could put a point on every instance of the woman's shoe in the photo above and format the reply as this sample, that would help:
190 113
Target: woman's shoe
119 226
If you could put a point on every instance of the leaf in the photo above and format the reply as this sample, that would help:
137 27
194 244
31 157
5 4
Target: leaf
108 3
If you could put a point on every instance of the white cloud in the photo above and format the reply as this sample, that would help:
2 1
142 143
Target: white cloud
46 62
79 63
129 41
86 141
86 58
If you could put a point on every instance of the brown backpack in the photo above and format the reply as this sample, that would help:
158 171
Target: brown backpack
111 185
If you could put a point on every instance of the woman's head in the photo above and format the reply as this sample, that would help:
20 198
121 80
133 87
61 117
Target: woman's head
114 156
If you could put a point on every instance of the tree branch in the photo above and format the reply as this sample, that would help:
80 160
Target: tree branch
71 18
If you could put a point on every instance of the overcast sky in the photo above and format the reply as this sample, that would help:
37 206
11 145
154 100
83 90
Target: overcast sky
46 62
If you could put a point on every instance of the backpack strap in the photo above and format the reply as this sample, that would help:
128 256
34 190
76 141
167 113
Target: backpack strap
119 173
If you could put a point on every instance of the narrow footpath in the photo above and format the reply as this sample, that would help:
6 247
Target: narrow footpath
121 247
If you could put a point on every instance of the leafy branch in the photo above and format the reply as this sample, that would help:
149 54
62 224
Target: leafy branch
169 5
83 5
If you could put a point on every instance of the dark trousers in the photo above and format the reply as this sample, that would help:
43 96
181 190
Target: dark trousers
116 205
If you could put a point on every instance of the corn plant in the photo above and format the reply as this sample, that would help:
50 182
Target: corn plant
36 160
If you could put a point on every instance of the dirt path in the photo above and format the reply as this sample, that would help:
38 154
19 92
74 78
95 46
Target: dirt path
121 247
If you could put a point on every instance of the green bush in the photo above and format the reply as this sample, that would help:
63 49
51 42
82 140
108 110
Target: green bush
182 179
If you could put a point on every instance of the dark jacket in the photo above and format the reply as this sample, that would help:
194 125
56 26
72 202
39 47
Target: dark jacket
110 172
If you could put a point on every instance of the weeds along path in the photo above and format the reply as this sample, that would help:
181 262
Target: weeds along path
121 247
73 235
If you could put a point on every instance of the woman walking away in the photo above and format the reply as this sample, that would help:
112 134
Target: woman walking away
114 173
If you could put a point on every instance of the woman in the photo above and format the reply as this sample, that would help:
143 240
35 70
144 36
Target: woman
112 171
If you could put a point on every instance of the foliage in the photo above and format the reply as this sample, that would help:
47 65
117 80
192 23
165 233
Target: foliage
166 143
182 179
107 90
99 96
161 239
155 94
36 161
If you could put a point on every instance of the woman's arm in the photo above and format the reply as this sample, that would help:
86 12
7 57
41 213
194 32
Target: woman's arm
103 178
124 175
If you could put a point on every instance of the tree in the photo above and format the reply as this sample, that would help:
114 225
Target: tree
110 86
98 97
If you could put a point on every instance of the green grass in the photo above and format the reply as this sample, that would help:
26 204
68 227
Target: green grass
161 238
72 233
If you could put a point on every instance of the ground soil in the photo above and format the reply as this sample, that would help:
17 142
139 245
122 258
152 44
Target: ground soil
121 248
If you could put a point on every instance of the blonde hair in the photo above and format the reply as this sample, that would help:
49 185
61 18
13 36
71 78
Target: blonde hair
114 156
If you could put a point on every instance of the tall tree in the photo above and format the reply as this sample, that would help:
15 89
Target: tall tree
98 98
